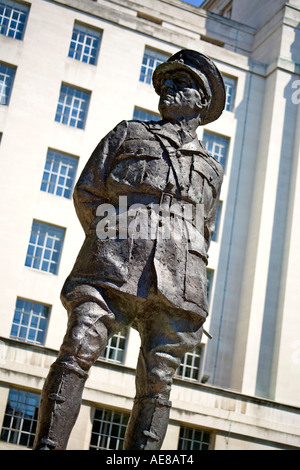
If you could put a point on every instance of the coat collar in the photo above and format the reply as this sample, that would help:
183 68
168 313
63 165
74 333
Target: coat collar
174 134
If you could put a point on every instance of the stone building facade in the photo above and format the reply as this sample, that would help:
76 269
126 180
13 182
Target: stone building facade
70 70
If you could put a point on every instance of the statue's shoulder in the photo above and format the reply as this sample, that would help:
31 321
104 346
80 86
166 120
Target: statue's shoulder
139 129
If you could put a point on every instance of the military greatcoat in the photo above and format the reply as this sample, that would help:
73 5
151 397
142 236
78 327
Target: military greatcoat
150 163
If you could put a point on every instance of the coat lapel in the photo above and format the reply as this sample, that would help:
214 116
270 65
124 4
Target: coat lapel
169 135
166 131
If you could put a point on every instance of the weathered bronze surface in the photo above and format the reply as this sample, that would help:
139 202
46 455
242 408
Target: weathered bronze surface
147 201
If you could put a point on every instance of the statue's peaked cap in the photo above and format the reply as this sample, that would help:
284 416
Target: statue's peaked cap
207 75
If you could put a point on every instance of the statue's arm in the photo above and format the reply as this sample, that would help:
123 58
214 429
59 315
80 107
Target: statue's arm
90 190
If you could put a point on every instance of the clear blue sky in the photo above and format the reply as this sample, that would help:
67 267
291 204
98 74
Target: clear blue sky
197 3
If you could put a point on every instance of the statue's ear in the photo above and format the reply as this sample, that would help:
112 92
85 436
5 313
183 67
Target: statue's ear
203 101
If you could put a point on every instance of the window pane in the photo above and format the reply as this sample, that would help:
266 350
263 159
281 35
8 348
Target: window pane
13 17
59 174
85 43
38 257
150 61
30 321
108 430
217 222
193 439
142 115
20 418
190 364
230 86
217 146
72 107
210 277
115 348
7 75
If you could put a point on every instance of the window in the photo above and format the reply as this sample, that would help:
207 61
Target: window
217 223
7 75
217 146
59 174
72 106
142 115
190 364
13 17
45 246
20 418
108 430
85 44
210 277
115 348
230 86
151 60
193 439
30 321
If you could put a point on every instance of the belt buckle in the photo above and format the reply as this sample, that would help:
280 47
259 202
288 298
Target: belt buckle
162 202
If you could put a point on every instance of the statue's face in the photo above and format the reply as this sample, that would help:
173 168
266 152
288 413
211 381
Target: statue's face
179 97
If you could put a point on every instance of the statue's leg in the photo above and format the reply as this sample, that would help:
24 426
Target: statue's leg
150 413
165 338
85 339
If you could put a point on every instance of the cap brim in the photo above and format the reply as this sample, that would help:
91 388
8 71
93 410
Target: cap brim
166 67
211 82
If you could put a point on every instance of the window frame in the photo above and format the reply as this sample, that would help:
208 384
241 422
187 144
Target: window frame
210 274
66 101
230 98
216 234
85 30
190 443
7 96
114 349
193 357
140 114
47 248
20 322
17 423
111 421
146 69
215 154
51 179
15 6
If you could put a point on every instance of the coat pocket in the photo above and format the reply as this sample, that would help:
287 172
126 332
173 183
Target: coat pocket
104 259
137 148
129 171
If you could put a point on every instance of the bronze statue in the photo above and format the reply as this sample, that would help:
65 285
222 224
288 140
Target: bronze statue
147 201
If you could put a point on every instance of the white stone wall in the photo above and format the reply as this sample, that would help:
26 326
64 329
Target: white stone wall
255 281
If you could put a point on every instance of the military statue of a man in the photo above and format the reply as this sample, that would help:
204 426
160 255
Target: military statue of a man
147 201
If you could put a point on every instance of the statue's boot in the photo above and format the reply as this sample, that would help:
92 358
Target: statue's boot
59 406
147 425
85 338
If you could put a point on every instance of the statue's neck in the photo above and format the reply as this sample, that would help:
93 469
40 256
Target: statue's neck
187 128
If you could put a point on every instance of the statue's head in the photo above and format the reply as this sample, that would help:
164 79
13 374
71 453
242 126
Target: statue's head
195 72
